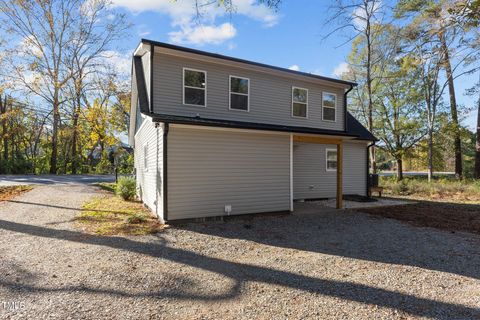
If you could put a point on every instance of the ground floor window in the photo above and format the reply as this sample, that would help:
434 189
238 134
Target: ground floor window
331 159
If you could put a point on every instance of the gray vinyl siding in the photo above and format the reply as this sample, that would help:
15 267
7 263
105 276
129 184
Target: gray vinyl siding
209 169
270 96
355 168
311 179
146 71
149 178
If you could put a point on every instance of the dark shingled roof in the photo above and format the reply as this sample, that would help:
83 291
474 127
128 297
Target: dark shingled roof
356 128
223 57
243 125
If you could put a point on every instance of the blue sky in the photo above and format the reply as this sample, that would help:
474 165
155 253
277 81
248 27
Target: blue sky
290 37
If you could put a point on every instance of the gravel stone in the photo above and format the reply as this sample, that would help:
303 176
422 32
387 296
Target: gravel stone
331 264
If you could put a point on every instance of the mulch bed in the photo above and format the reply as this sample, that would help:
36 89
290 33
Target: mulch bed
440 215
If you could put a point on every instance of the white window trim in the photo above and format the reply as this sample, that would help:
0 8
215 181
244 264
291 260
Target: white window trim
145 157
306 104
326 159
241 94
184 86
335 108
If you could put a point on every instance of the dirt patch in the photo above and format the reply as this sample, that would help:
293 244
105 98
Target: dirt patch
10 192
440 215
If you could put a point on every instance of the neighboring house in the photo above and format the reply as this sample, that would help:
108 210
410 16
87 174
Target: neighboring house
215 135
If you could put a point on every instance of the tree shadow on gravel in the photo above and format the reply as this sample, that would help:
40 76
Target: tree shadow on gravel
240 273
354 235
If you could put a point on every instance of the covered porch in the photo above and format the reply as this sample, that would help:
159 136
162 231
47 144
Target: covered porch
338 143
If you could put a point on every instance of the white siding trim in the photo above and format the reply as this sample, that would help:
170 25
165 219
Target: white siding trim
147 119
336 99
326 159
183 87
306 104
241 94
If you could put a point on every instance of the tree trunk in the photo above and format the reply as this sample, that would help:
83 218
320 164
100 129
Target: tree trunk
399 169
3 111
56 120
430 155
370 99
477 145
76 114
74 141
453 108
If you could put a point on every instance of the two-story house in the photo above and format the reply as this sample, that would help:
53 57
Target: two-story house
215 135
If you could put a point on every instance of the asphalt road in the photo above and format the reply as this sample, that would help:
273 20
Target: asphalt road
12 180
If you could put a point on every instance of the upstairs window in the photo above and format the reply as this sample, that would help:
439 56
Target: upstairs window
299 102
194 87
329 104
331 159
239 93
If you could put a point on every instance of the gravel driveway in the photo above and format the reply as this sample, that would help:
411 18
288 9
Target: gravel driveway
327 265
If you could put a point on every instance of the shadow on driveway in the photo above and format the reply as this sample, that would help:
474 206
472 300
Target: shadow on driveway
242 273
351 234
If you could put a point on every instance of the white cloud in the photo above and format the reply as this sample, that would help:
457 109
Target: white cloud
29 46
120 62
318 72
143 30
340 69
186 18
294 67
359 15
202 34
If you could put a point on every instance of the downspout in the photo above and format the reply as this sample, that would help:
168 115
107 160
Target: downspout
368 167
165 172
345 107
152 50
157 124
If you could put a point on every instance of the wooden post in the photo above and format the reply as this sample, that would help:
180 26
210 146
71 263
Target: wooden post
339 175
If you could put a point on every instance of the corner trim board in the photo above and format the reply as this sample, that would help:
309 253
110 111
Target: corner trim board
165 172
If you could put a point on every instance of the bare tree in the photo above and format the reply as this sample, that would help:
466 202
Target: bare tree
98 29
44 29
443 22
364 19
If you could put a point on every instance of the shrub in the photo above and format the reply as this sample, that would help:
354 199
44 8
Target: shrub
125 188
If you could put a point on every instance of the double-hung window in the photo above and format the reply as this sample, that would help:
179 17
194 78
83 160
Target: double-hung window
194 87
329 104
239 93
299 102
331 159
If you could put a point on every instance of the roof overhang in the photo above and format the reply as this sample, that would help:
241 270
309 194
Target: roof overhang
220 123
169 49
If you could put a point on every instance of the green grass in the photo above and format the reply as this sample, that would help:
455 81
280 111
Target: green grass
111 215
107 186
440 189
